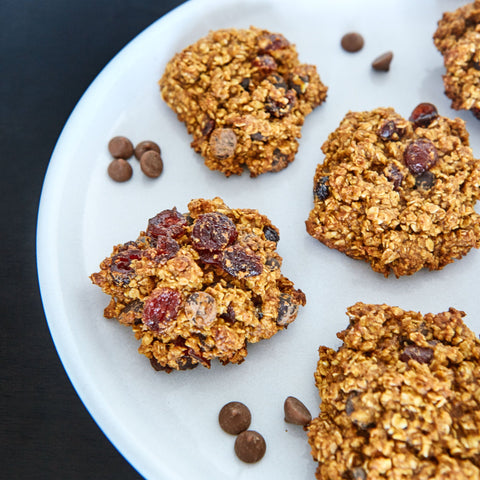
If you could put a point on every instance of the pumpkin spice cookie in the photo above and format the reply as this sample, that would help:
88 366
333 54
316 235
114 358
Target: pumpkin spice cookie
400 398
200 285
243 95
458 40
398 193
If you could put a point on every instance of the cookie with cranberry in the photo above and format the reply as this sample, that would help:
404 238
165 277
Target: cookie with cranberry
243 95
201 285
398 193
458 40
399 398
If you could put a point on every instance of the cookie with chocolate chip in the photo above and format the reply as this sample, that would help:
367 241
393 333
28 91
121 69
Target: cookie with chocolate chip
399 398
243 95
398 193
458 40
201 285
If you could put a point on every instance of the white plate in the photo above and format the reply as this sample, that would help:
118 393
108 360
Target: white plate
166 425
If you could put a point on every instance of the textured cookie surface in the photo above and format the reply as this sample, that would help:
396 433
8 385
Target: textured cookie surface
458 39
398 193
243 95
200 285
400 398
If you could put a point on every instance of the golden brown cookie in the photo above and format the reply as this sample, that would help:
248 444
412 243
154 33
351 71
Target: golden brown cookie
458 39
398 193
200 285
400 398
243 95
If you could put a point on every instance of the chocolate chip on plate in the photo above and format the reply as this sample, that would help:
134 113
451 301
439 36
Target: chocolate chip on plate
296 412
120 147
145 146
234 418
151 164
352 42
382 63
120 170
250 446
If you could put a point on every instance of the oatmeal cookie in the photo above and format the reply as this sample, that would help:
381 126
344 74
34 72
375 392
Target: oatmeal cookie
200 285
400 398
398 193
243 95
458 40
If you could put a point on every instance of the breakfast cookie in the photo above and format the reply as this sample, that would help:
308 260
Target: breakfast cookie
200 285
243 95
398 193
400 398
458 40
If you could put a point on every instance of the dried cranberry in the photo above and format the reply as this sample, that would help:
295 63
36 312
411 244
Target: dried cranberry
265 64
414 352
420 156
395 176
390 131
121 261
273 41
238 262
271 234
167 247
208 126
423 114
280 108
168 222
425 180
213 232
321 190
160 308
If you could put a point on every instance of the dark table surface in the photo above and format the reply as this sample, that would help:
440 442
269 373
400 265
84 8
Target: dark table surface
50 52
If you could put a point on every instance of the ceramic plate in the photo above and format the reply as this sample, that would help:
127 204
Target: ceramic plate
166 425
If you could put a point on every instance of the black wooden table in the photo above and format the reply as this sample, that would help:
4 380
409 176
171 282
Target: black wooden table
50 52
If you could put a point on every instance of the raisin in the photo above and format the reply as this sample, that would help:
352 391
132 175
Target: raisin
476 112
420 156
277 81
425 180
160 308
423 114
272 263
279 161
321 190
266 64
223 142
213 232
299 83
287 310
258 137
157 366
201 309
414 352
280 108
273 41
208 127
167 247
271 234
391 131
238 262
229 315
395 176
168 222
245 84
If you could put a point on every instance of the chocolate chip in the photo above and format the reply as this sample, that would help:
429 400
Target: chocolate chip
120 147
382 63
234 418
250 446
352 42
425 180
296 412
120 170
287 310
145 146
223 142
151 164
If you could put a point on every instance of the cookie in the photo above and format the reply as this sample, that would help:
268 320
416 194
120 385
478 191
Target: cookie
200 285
400 398
458 40
243 95
398 193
